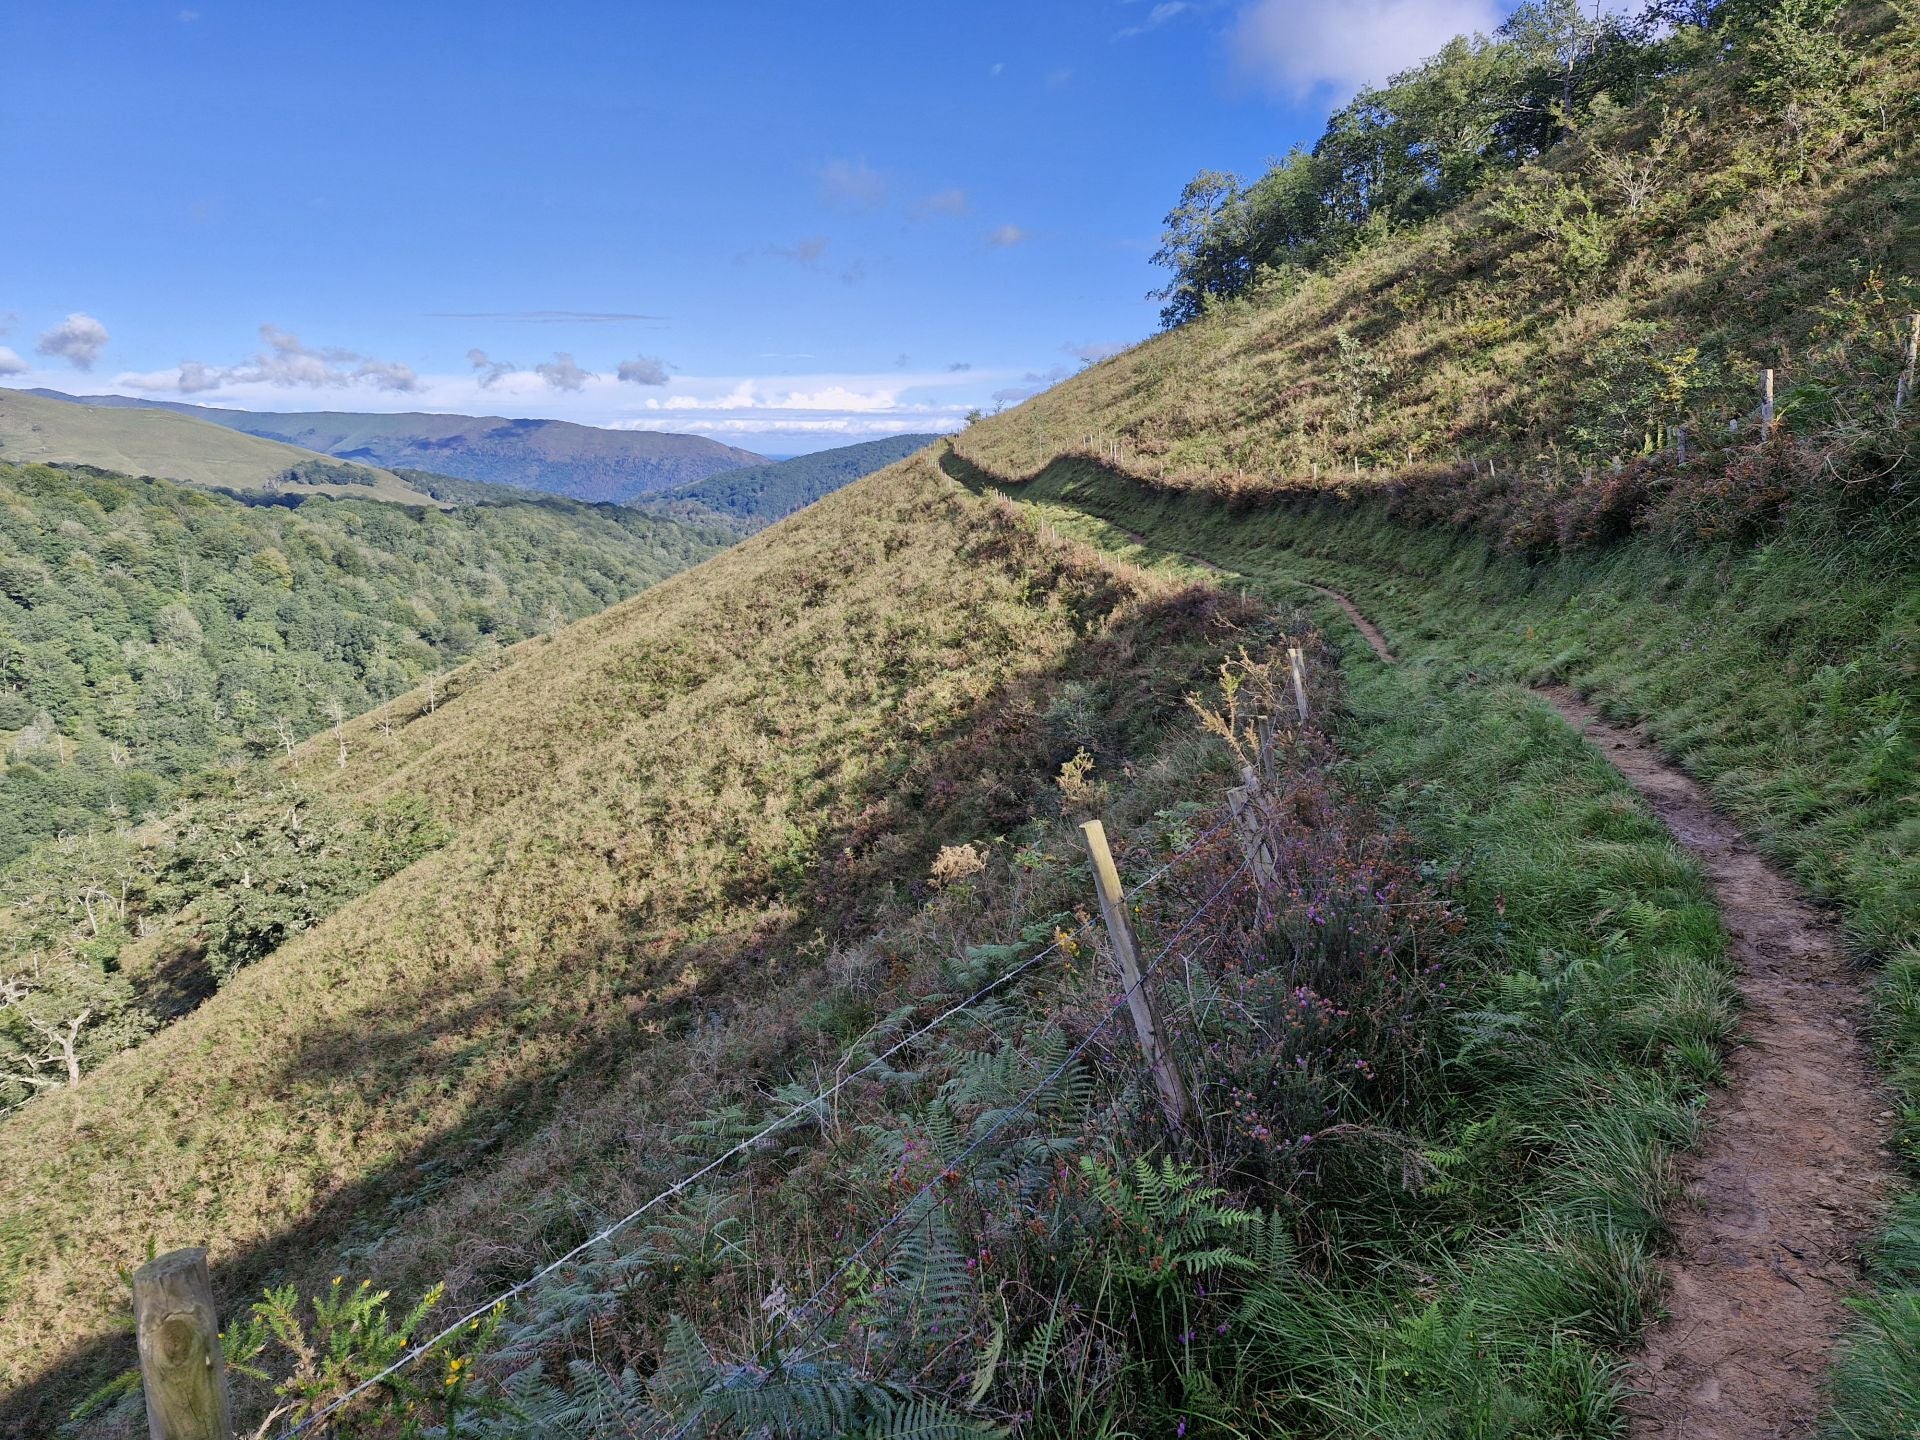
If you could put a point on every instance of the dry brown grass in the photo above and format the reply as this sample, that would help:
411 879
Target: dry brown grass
668 818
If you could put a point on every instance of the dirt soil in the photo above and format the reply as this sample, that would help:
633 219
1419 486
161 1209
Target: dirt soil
1795 1167
1360 622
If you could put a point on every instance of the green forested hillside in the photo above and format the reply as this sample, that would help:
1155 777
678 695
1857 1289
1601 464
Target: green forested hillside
149 630
756 496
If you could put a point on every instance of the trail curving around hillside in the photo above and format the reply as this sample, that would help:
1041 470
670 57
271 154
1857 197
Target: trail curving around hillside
1795 1167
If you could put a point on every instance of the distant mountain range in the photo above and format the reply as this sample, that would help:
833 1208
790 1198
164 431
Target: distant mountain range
557 456
752 498
43 426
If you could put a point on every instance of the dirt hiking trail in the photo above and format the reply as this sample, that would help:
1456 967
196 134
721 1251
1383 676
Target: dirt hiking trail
1366 627
1795 1168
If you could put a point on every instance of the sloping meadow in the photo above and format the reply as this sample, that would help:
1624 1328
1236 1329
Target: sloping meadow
1575 349
665 823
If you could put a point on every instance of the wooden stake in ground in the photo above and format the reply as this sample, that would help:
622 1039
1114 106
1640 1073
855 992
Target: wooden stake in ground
181 1367
1243 803
1766 398
1146 1020
1903 392
1299 669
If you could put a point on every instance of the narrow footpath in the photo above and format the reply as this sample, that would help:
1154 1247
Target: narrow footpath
1795 1167
1795 1170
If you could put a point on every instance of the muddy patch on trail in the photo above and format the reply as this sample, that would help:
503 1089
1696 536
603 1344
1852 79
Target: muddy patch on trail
1795 1167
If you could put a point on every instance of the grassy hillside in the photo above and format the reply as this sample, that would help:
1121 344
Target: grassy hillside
665 823
756 496
149 630
35 429
584 462
1523 360
672 871
779 809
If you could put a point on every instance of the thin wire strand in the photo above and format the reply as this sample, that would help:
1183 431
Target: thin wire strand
952 1169
426 1346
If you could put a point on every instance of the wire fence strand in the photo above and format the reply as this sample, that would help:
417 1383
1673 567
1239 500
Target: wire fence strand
773 1127
953 1167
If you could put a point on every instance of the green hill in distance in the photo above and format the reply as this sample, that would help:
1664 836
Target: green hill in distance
585 462
42 429
752 498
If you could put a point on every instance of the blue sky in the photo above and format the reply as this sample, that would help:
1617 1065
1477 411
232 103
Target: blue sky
794 225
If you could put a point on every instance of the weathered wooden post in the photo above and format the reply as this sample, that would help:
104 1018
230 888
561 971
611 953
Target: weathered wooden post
1146 1019
1903 392
1766 399
181 1368
1680 443
1242 803
1299 669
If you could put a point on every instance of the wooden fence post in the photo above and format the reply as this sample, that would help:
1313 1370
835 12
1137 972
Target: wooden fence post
1298 667
181 1368
1766 399
1903 392
1146 1019
1680 443
1242 803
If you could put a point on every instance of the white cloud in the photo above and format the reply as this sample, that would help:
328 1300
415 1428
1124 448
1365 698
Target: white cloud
1007 235
10 363
784 413
852 184
951 201
562 373
1095 351
193 378
644 370
488 369
287 362
804 252
78 340
999 68
1299 47
1156 17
